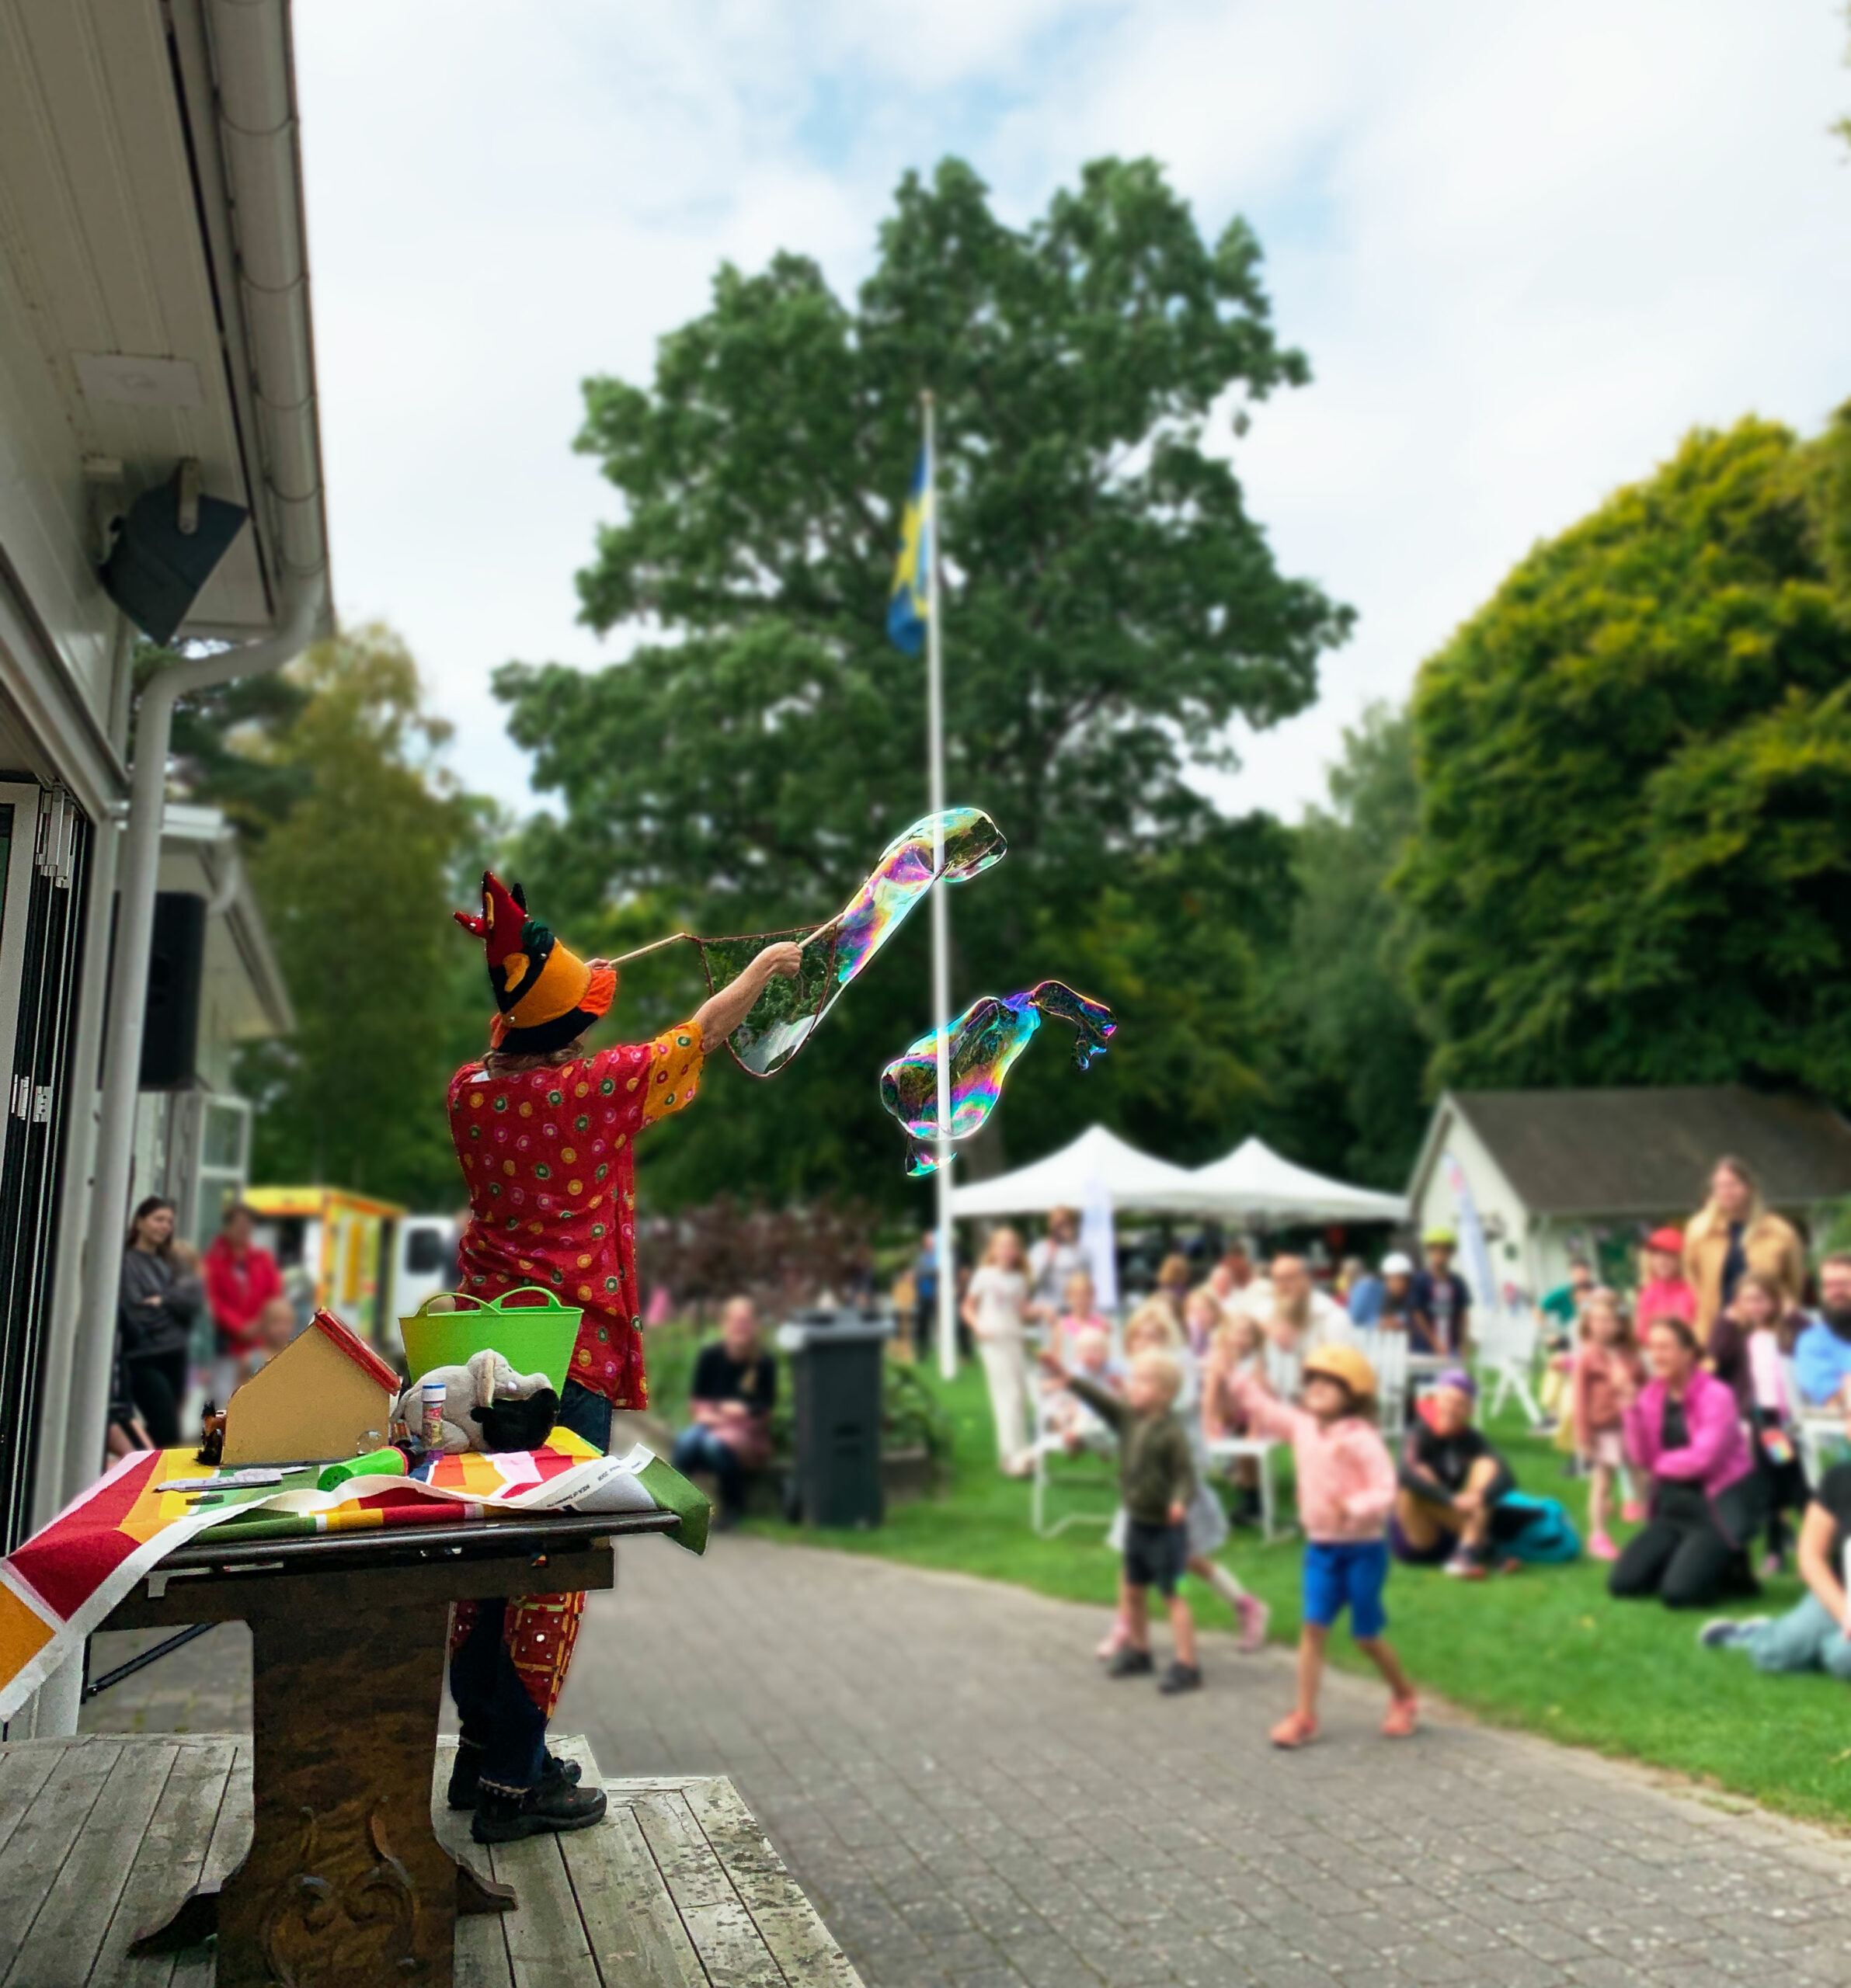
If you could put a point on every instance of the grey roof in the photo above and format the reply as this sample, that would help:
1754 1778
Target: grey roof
1649 1152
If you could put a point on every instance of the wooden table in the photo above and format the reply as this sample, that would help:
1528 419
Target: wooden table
345 1881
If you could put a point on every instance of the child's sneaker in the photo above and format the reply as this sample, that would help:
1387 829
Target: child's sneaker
1128 1663
1726 1630
1253 1614
1633 1512
1601 1547
1401 1720
1113 1641
1180 1677
1467 1565
1294 1730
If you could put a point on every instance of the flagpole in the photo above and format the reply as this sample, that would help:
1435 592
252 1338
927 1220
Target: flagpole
941 961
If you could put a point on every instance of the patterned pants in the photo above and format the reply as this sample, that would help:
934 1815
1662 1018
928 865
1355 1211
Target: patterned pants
508 1659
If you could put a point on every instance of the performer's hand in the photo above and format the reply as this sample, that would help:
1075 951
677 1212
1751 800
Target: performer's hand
784 959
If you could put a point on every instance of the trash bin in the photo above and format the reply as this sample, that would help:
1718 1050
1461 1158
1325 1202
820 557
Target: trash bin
836 1397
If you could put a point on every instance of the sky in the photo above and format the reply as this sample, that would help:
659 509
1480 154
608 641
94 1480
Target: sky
1525 247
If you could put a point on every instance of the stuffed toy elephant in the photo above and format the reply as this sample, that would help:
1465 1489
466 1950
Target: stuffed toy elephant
487 1406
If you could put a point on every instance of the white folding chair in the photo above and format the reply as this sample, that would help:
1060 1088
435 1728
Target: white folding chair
1387 1351
1048 1442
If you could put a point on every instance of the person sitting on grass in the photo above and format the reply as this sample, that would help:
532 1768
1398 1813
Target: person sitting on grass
735 1388
1346 1489
1157 1477
1451 1480
1683 1431
1815 1635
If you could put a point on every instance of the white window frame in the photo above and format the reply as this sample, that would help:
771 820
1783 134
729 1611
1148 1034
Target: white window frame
26 800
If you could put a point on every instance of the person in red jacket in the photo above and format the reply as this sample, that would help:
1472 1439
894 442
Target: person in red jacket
241 1279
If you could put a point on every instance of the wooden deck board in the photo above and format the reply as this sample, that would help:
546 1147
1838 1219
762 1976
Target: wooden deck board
102 1835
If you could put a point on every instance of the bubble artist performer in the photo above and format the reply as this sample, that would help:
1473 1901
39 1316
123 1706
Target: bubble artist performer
546 1133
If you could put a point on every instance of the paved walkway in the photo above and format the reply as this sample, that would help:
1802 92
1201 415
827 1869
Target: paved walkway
971 1804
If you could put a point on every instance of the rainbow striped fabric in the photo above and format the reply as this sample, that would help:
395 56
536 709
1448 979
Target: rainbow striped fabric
63 1581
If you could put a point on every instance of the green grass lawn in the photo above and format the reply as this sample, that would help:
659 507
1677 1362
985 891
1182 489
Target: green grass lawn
1545 1650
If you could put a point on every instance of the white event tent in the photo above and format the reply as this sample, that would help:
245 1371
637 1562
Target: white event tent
1256 1184
1097 1160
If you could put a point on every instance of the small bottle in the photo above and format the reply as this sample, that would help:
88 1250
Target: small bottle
431 1424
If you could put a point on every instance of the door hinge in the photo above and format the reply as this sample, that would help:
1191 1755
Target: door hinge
41 1105
22 1097
58 832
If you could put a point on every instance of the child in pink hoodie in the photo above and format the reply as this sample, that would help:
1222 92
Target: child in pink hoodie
1346 1490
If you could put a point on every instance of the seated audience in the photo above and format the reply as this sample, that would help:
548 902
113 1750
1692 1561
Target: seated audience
1736 1231
735 1388
1815 1635
1822 1352
1561 1306
1441 1302
1450 1480
1294 1315
1202 1318
1082 1314
1361 1290
1684 1433
1663 1293
1396 1312
1748 1348
1606 1360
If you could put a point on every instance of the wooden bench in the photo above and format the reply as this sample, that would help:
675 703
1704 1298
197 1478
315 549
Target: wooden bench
102 1835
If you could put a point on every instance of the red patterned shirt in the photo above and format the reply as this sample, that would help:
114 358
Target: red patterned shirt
548 1155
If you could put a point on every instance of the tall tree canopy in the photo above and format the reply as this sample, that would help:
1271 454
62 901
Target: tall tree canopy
1634 860
357 880
1345 1063
1110 606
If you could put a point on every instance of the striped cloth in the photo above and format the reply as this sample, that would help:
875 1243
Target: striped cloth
63 1581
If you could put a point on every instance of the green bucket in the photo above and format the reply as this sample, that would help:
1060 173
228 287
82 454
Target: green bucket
529 1328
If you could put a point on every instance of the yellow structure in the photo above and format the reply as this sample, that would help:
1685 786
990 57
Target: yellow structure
325 1394
337 1245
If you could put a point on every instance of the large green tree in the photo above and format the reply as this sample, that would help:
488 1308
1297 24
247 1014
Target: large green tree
1344 1067
1634 860
356 881
1111 604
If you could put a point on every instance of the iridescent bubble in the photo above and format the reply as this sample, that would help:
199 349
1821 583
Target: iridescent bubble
985 1041
785 1016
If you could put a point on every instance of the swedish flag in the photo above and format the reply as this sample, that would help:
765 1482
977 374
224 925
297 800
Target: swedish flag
908 605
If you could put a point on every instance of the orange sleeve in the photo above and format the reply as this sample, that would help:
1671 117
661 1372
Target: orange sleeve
676 1058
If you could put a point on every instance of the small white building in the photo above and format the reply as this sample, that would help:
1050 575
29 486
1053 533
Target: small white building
1560 1174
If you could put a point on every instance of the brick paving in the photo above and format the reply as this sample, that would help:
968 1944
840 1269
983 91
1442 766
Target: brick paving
971 1804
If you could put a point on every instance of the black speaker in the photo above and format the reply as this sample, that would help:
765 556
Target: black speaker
165 550
176 966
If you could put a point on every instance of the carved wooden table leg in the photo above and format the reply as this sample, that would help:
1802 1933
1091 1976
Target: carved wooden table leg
346 1882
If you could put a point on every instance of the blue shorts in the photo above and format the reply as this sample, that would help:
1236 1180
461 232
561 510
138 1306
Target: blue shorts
1340 1571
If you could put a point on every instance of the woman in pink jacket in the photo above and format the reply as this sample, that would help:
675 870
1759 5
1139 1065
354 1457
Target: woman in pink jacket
1683 1431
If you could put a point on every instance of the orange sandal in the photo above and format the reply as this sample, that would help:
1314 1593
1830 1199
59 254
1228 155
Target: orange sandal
1401 1722
1295 1730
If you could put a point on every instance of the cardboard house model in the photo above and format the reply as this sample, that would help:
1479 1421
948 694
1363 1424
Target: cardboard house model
326 1393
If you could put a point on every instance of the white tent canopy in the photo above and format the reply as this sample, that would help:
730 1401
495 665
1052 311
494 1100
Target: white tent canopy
1067 1179
1254 1182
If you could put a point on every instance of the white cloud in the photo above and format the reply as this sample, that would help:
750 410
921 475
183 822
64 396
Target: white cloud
1525 249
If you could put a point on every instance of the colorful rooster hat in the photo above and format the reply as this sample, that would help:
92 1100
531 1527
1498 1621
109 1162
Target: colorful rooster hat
546 996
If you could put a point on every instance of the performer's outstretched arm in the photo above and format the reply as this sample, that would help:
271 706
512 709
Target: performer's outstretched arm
721 1013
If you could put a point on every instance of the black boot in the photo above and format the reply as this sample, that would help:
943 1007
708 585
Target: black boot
547 1807
1130 1663
465 1776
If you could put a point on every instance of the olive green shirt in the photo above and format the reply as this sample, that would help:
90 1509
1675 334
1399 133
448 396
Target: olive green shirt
1155 1470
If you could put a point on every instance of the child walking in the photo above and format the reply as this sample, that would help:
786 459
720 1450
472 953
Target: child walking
1606 1367
1346 1490
1156 1474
